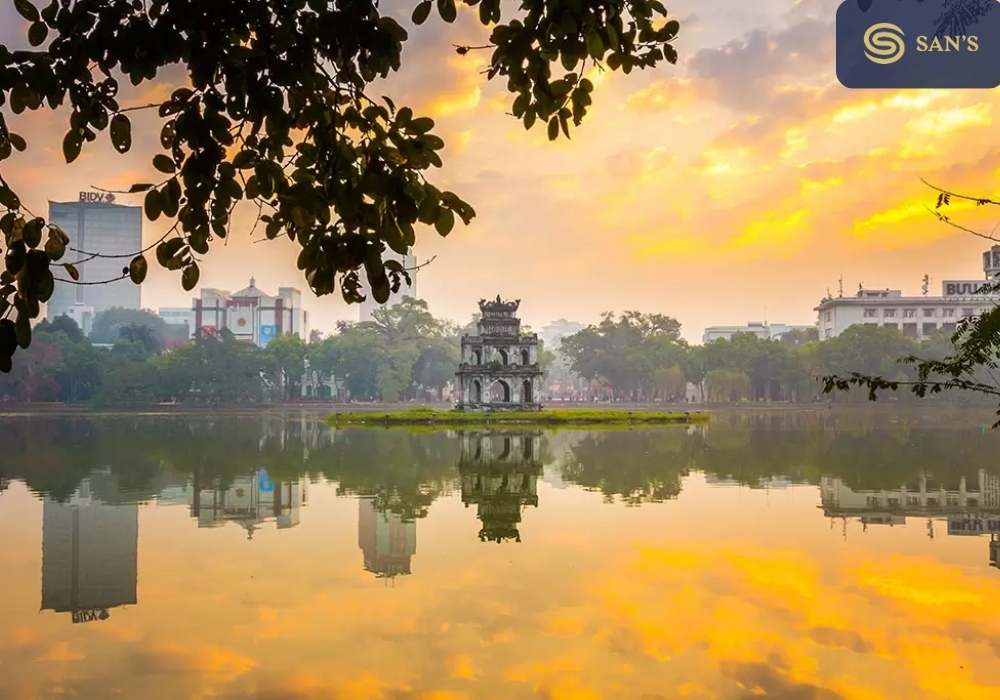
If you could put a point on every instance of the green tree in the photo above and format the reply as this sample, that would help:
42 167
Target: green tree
108 325
287 354
727 385
624 351
277 112
868 350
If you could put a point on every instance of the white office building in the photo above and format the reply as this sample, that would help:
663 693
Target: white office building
765 331
95 224
249 314
917 317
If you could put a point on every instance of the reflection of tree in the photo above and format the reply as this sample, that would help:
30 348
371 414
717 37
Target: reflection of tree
636 466
499 473
402 472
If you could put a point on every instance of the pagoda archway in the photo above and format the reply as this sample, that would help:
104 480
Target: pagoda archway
500 392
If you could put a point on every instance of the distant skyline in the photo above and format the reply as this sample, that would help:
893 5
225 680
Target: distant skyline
736 186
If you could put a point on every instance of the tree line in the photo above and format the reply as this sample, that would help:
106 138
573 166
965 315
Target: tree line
642 357
133 357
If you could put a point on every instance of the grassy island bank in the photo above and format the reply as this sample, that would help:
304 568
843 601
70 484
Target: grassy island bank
545 417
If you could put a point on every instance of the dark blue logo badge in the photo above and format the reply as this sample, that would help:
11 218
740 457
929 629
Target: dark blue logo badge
918 43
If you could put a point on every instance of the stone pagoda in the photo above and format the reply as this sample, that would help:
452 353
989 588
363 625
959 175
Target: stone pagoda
499 367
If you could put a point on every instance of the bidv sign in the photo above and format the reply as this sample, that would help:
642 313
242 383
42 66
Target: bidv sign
97 197
918 43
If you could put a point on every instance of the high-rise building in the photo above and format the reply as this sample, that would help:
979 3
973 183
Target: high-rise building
95 224
368 306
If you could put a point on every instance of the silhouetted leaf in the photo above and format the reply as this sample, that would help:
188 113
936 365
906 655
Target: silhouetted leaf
37 33
72 143
421 11
189 278
121 133
137 269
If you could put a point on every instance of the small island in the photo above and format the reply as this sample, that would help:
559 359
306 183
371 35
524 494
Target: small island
542 417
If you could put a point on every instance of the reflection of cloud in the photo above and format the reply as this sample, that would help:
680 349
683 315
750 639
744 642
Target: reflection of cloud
60 652
211 661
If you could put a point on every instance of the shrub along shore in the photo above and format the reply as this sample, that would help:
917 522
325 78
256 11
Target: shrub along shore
548 416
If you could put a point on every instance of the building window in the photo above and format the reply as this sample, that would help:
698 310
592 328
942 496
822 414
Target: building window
929 328
930 313
827 315
910 330
889 313
891 325
909 313
948 313
967 312
871 313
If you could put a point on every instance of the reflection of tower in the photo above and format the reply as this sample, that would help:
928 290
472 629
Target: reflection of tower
89 554
388 541
248 501
500 475
995 550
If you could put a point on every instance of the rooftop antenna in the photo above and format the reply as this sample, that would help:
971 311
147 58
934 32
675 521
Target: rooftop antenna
840 287
925 287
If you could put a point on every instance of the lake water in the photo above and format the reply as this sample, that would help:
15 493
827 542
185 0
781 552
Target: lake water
787 555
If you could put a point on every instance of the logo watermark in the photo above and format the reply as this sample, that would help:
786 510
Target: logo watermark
884 43
918 43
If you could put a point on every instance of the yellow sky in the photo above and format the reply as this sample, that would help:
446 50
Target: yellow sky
736 186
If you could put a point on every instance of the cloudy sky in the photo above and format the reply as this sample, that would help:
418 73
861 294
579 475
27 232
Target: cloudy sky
738 185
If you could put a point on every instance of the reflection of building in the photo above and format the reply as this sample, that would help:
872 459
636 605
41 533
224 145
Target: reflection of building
249 314
96 225
387 541
369 305
499 475
499 366
914 316
89 555
968 508
249 501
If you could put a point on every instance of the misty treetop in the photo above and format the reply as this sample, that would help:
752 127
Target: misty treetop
641 357
279 112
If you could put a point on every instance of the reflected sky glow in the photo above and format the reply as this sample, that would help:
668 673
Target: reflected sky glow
731 587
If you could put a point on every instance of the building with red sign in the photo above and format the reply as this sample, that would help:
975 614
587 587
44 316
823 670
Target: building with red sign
249 314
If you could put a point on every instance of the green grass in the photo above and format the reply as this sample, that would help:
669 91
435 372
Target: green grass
548 416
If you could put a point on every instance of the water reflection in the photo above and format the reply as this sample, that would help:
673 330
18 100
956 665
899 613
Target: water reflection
499 473
248 501
89 554
386 539
970 507
823 556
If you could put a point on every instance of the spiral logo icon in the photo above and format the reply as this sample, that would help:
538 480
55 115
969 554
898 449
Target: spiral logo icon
884 43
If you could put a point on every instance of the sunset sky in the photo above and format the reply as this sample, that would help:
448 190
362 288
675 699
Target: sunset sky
736 186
